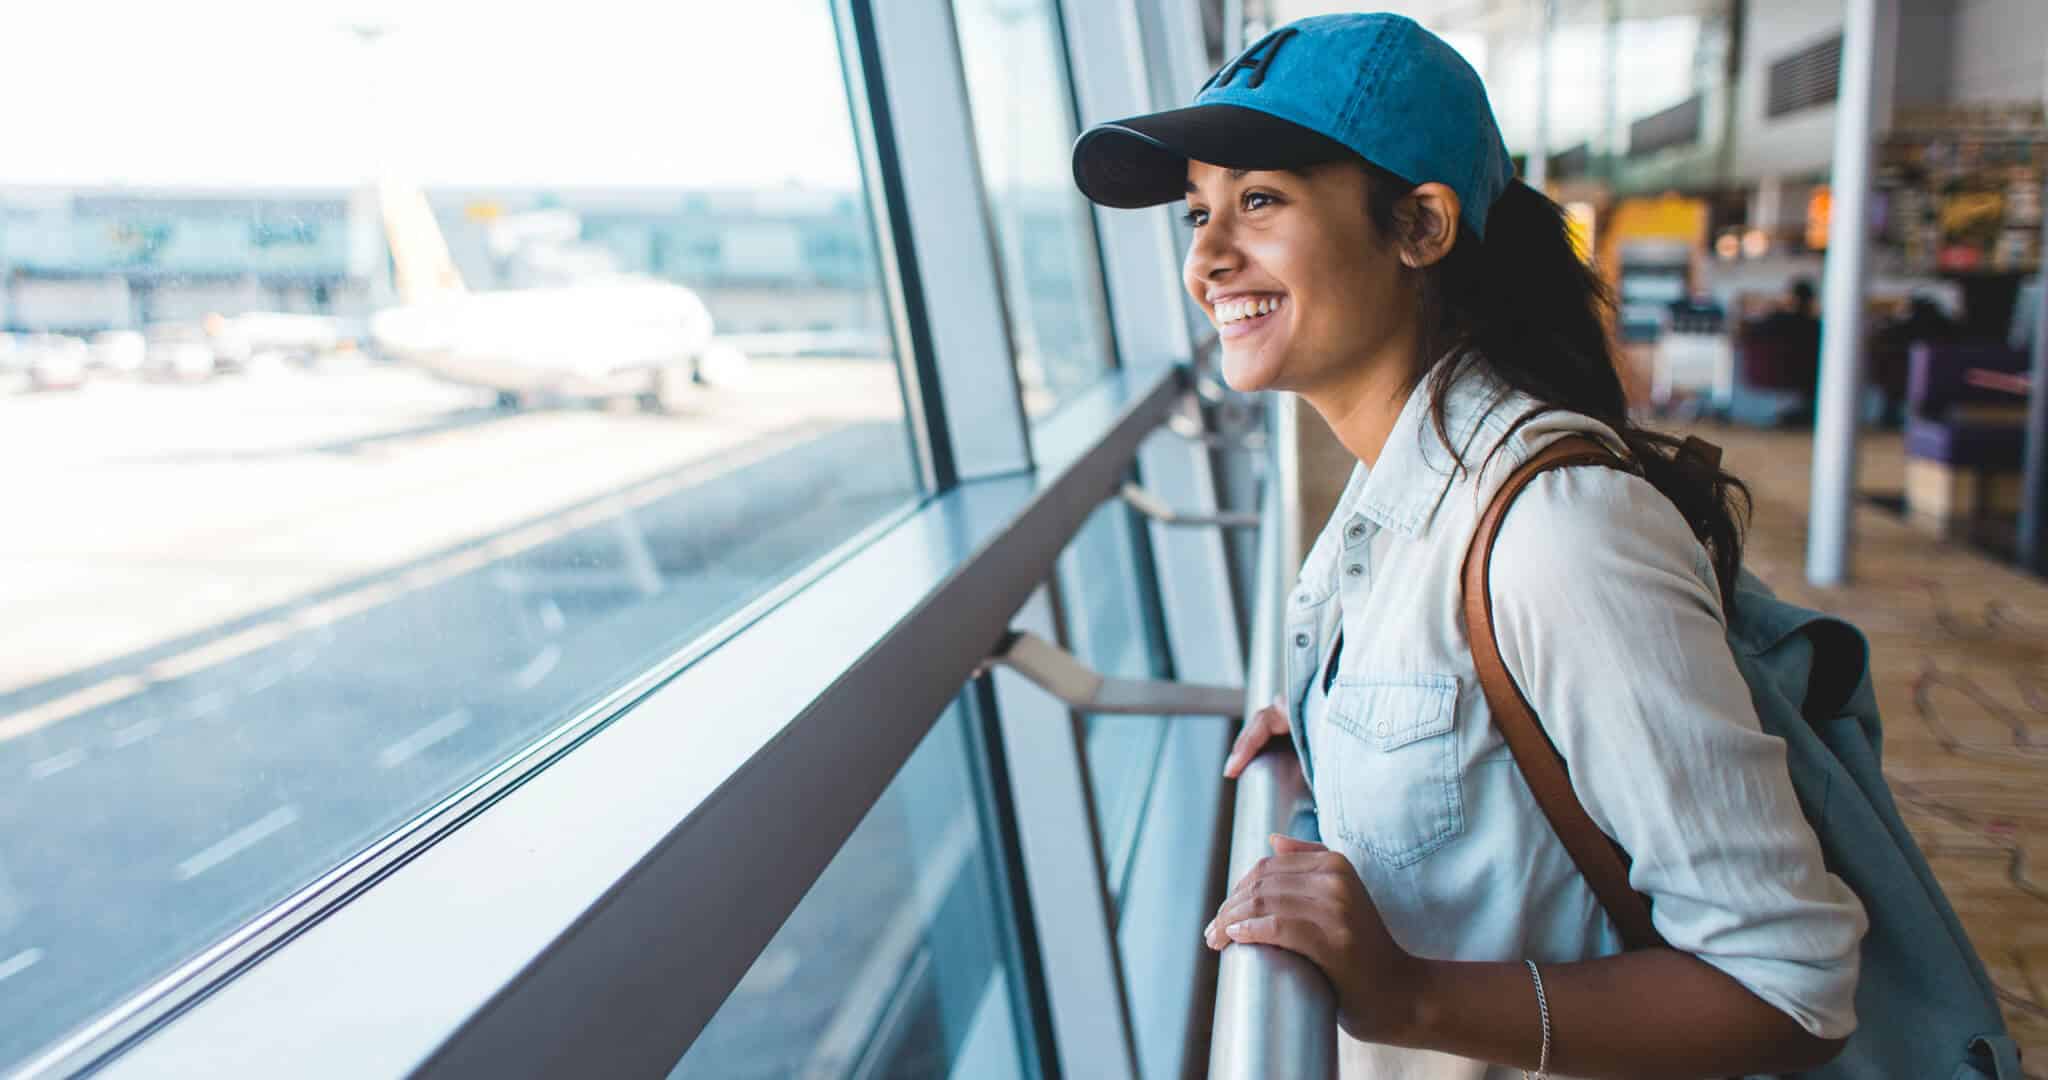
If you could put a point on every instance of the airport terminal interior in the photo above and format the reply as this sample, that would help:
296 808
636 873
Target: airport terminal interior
671 540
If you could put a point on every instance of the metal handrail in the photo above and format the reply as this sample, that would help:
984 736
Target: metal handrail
1276 1015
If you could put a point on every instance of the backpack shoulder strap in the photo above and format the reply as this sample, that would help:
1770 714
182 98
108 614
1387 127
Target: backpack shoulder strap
1603 863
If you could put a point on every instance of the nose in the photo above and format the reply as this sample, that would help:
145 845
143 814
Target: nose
1213 256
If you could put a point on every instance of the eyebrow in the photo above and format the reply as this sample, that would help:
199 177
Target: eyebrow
1235 174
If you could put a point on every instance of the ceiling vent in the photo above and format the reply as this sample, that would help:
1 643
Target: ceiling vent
1678 125
1806 78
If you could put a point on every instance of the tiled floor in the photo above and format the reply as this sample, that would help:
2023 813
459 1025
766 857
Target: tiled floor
1961 666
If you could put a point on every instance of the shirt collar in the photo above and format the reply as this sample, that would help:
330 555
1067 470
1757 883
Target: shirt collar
1403 489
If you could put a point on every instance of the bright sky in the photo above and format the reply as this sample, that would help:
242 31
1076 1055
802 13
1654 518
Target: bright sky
669 93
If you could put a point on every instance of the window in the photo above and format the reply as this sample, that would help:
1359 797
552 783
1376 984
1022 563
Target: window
898 962
1024 125
1114 626
389 468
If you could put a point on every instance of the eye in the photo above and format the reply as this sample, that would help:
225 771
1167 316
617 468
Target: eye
1195 218
1255 199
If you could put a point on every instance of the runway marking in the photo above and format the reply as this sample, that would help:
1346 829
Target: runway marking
19 962
238 644
405 749
37 717
719 461
262 680
538 668
208 703
56 763
240 840
136 732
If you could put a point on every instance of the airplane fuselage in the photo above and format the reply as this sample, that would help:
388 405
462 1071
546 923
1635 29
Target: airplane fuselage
612 337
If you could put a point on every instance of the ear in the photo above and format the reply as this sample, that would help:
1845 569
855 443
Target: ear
1427 218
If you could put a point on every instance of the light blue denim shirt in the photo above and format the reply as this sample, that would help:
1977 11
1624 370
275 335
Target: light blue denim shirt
1610 620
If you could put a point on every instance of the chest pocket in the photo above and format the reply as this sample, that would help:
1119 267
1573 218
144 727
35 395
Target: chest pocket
1393 775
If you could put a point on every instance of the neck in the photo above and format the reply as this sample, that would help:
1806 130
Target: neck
1363 402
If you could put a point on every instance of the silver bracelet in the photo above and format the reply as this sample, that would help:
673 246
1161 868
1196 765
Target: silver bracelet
1542 1006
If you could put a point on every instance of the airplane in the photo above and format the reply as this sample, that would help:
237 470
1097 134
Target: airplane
606 337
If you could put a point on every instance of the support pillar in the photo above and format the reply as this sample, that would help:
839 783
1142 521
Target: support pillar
1843 288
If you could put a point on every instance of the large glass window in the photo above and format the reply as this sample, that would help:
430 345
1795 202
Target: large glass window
378 393
1024 128
899 961
1113 624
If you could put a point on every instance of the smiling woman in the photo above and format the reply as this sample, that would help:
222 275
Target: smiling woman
1282 261
1432 309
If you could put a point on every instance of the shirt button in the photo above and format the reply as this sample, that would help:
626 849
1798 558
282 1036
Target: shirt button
1355 531
1355 570
1301 641
1385 729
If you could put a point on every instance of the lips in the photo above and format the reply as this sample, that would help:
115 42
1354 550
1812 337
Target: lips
1239 316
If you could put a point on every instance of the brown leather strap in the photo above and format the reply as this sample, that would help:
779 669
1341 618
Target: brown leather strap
1600 859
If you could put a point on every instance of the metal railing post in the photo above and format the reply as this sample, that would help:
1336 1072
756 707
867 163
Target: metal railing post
1276 1015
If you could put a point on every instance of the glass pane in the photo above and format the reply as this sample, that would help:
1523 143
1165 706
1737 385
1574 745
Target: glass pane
1113 625
347 487
1024 127
897 963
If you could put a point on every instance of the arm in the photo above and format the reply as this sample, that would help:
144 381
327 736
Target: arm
1654 1012
1612 626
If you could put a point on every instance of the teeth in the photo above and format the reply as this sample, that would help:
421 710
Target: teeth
1238 310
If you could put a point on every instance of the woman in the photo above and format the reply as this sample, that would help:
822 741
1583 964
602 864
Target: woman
1359 240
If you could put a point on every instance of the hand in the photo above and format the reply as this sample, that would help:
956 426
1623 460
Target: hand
1307 899
1265 724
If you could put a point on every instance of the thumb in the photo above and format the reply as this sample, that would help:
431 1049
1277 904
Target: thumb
1288 845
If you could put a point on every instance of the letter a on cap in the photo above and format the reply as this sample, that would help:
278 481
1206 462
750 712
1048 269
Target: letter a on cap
1266 48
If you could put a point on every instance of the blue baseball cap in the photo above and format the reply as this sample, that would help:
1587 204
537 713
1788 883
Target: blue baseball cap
1321 89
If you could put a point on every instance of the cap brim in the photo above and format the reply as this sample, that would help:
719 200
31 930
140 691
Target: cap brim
1143 161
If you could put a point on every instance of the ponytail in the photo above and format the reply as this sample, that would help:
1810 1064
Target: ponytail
1523 305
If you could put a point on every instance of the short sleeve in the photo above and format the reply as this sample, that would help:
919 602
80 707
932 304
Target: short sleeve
1609 618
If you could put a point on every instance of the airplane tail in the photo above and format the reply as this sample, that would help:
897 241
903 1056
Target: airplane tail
419 253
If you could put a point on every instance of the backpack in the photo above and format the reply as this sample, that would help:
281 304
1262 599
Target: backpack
1924 1005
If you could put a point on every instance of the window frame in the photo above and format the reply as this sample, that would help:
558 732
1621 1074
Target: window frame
448 949
475 957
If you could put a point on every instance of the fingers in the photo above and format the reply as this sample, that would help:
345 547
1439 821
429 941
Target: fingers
1293 932
1263 725
1314 860
1287 845
1244 749
1304 895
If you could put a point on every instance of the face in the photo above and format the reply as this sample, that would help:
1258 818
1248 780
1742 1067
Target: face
1302 288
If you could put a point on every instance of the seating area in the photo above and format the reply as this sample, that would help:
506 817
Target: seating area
1965 433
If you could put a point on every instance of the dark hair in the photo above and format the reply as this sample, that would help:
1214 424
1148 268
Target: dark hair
1802 291
1527 308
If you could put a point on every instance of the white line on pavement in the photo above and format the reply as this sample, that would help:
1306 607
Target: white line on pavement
208 703
56 763
263 680
240 840
19 962
136 732
538 668
405 749
320 618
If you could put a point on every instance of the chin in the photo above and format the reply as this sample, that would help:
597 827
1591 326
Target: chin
1250 374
